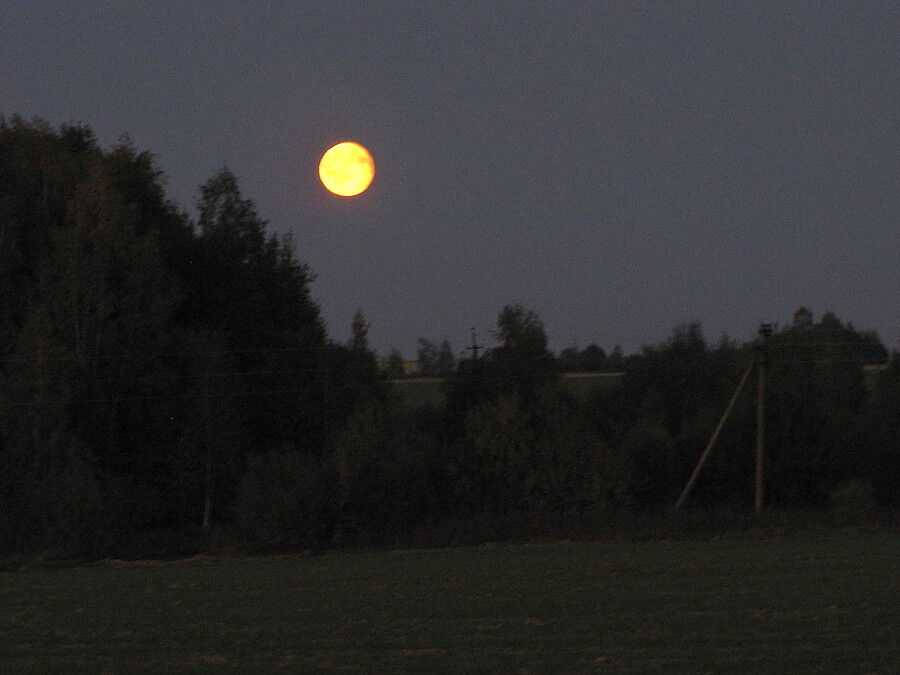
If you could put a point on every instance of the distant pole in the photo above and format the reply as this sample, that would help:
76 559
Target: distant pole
762 348
712 440
474 347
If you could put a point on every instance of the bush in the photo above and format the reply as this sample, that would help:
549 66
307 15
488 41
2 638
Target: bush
287 499
392 468
852 503
651 453
51 499
536 459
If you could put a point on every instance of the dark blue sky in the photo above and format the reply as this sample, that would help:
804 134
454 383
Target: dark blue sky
619 167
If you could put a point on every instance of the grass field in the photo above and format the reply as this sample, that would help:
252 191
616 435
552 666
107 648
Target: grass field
420 391
430 390
812 602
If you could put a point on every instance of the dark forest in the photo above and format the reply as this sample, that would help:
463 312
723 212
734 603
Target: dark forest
167 386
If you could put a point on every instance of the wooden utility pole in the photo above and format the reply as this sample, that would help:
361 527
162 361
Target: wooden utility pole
474 347
762 358
712 440
473 370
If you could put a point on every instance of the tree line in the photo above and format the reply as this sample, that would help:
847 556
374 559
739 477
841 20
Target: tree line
441 361
167 385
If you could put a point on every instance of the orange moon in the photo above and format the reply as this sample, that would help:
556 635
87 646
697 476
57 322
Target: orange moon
347 169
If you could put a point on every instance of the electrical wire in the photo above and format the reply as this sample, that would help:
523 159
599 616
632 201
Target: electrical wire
262 350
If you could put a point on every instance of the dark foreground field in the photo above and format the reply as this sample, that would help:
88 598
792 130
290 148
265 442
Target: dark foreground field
824 602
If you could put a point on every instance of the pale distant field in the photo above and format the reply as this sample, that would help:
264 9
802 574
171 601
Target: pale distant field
807 603
430 390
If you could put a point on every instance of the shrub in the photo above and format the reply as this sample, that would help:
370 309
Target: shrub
540 458
287 499
392 468
52 499
651 453
852 502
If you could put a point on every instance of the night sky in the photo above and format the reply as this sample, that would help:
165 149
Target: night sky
619 167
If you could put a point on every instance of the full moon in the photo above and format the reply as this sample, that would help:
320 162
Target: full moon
347 169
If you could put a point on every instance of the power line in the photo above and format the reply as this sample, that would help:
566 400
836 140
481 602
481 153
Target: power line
324 387
187 376
168 397
191 376
825 344
262 350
